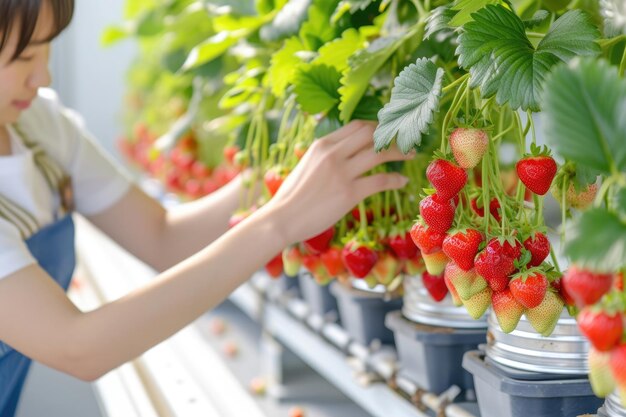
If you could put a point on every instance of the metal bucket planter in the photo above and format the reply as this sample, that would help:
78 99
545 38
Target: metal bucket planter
612 407
362 312
421 308
318 297
564 352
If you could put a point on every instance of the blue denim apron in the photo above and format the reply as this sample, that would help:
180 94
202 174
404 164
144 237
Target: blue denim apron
53 247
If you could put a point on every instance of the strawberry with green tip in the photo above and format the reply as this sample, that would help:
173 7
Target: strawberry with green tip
574 198
292 260
468 146
456 299
466 283
618 366
539 247
435 262
478 303
537 170
495 266
331 259
414 265
438 213
435 285
600 374
313 263
603 330
447 178
358 258
545 316
386 268
507 309
462 247
428 240
321 242
529 287
274 178
586 287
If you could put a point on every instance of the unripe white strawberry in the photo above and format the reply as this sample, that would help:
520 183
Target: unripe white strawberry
468 146
575 199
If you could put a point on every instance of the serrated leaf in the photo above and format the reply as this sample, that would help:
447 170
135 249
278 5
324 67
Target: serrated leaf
317 29
287 21
351 6
368 108
283 65
502 61
584 121
316 87
465 8
409 113
538 18
597 240
439 21
363 65
337 52
212 48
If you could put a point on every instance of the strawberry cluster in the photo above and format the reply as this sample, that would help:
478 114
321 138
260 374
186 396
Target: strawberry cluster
180 170
481 267
601 319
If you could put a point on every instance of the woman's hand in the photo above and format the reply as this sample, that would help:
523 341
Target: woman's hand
329 181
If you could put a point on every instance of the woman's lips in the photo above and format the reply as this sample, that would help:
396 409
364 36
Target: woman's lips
22 104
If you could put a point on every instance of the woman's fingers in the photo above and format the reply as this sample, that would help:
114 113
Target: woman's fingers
372 184
367 159
342 134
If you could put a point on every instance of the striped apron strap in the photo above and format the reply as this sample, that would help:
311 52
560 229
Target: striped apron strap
57 180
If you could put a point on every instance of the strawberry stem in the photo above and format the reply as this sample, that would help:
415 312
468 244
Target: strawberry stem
363 220
532 126
554 260
396 197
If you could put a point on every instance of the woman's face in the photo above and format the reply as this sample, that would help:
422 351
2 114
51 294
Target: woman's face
21 78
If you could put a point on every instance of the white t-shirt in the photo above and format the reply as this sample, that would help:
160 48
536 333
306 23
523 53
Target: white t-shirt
97 181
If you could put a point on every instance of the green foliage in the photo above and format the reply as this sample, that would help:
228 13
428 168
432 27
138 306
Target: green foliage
316 87
409 113
585 104
503 62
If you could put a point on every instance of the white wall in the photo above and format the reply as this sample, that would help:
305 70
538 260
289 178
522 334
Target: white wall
88 77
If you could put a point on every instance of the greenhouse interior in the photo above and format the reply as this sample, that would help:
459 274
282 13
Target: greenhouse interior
312 208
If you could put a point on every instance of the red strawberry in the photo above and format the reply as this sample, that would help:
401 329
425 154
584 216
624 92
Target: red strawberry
299 150
618 282
603 330
436 286
313 264
435 262
456 299
292 260
529 288
493 265
437 213
230 152
508 310
427 239
539 247
414 265
387 268
463 247
618 366
358 259
468 146
545 316
557 284
494 208
447 178
478 303
275 266
600 374
403 246
321 242
537 172
513 251
586 287
466 283
332 261
273 179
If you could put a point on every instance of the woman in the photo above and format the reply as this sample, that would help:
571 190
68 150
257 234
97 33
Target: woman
46 158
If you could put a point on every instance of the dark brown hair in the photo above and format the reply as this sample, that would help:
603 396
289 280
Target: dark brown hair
24 13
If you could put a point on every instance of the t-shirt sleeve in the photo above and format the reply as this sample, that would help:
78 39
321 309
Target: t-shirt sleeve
98 181
14 254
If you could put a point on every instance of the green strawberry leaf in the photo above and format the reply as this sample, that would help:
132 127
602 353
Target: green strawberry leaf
337 52
316 87
538 18
439 21
409 113
597 240
363 65
351 6
619 202
465 9
585 104
283 66
317 29
287 21
503 62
